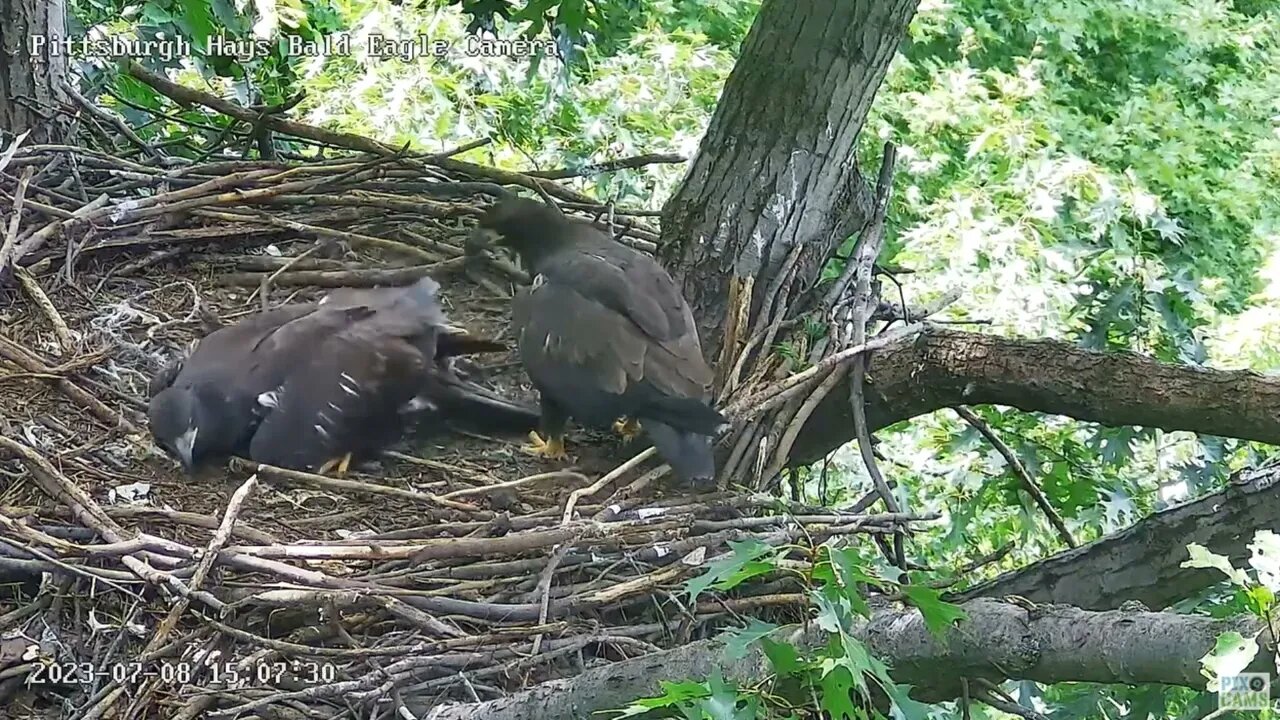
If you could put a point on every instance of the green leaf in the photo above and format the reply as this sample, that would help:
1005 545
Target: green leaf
196 21
837 694
156 14
829 604
1261 600
938 616
572 16
783 657
1231 655
1265 558
850 573
727 572
739 641
534 10
904 708
863 664
723 701
673 694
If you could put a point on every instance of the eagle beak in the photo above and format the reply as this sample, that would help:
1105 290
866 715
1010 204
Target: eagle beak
188 466
184 446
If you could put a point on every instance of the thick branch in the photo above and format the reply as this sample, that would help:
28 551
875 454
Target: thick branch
1143 562
945 368
999 640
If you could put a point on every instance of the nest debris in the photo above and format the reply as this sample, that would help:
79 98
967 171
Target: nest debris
460 571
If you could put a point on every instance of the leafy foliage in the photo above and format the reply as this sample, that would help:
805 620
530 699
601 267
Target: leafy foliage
1234 653
839 679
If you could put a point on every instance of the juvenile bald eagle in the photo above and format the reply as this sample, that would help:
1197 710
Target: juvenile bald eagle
312 384
604 333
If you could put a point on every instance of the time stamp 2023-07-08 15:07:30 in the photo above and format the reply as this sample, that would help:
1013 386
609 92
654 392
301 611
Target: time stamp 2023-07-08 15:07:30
129 672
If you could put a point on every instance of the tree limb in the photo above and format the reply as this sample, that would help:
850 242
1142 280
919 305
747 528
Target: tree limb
998 640
944 368
1049 643
1144 562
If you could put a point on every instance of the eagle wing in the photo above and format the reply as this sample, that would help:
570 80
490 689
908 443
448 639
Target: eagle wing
230 348
615 317
346 398
358 364
164 377
629 283
598 366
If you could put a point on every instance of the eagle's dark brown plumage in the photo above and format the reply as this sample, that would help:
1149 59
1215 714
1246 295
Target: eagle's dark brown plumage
308 383
605 333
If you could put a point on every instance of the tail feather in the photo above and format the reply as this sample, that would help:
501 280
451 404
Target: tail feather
690 455
466 403
686 414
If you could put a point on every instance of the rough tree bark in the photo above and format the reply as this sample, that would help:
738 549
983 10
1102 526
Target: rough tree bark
776 171
30 82
1143 562
943 368
776 166
998 640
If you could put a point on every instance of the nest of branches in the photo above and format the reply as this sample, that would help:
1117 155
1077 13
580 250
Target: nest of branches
462 571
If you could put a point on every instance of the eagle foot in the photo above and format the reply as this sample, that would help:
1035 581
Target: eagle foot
628 428
338 466
551 449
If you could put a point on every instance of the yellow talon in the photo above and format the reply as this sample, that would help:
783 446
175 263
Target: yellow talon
628 428
337 465
550 449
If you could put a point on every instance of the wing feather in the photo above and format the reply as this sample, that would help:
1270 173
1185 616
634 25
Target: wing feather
562 332
629 283
345 399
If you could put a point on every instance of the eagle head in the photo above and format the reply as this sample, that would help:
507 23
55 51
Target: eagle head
176 415
529 228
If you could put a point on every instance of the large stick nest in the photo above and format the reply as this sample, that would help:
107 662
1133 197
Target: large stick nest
463 570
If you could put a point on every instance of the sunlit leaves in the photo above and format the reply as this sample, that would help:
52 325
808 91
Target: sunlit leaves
1265 559
1230 656
1201 557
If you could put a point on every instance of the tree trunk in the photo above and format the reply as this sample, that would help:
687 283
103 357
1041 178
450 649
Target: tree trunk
777 167
30 73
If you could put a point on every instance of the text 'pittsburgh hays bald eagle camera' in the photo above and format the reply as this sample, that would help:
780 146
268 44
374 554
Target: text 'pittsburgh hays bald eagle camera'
313 384
604 333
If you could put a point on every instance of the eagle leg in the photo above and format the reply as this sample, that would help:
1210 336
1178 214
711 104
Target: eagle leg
552 448
338 466
628 428
554 421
